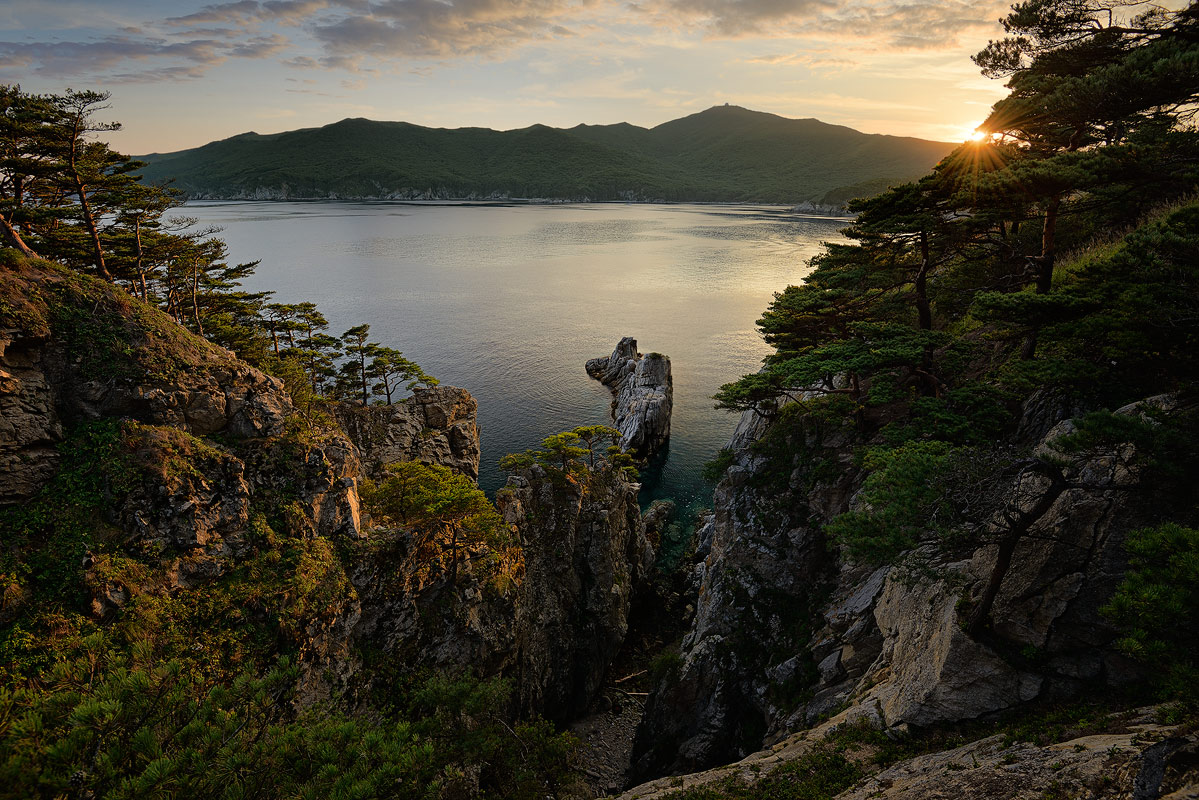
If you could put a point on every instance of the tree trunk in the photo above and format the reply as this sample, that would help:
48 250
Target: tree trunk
362 372
925 312
922 305
16 239
195 302
141 274
453 555
1048 247
89 219
1044 272
981 614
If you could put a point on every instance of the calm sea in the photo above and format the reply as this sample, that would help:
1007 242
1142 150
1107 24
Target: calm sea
509 301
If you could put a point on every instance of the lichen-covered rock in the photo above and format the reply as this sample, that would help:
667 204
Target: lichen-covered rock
190 495
929 670
412 612
435 425
30 426
891 642
762 566
643 395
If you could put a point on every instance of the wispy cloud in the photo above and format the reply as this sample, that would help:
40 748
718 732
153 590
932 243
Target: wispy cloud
84 58
436 29
350 34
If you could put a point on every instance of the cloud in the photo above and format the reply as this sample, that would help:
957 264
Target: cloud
438 29
735 18
894 24
259 46
813 60
85 58
152 52
922 25
237 13
360 36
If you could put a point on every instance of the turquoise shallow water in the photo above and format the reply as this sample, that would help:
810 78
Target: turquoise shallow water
509 301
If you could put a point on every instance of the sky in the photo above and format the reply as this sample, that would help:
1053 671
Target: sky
182 73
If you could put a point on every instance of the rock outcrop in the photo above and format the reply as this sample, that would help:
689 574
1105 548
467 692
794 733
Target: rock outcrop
785 633
643 395
763 565
1136 757
435 425
267 518
586 552
71 351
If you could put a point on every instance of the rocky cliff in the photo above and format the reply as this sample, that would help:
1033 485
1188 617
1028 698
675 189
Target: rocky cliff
788 631
211 516
643 395
551 614
586 552
71 351
437 425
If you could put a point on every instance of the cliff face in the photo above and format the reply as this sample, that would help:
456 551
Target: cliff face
211 501
434 426
643 395
760 581
72 351
586 552
786 633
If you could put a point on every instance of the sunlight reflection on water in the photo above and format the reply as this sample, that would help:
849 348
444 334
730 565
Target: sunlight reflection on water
509 301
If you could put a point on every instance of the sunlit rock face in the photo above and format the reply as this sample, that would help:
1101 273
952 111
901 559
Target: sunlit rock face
74 350
643 395
437 425
212 476
587 552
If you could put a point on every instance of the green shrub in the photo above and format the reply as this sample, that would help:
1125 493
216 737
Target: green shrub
1157 607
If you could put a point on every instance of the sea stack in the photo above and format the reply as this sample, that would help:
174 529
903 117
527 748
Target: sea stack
643 395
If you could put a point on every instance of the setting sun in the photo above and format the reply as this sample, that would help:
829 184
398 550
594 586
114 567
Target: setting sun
979 136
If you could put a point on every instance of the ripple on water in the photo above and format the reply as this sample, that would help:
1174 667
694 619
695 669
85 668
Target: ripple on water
510 301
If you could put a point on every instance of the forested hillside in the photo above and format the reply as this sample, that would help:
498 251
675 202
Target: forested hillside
726 153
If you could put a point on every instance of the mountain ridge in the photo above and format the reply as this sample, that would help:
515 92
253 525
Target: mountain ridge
725 153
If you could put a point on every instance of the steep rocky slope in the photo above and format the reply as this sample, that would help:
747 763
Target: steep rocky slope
71 351
435 425
786 632
210 494
587 552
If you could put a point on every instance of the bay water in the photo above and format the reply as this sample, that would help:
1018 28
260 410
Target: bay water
509 301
